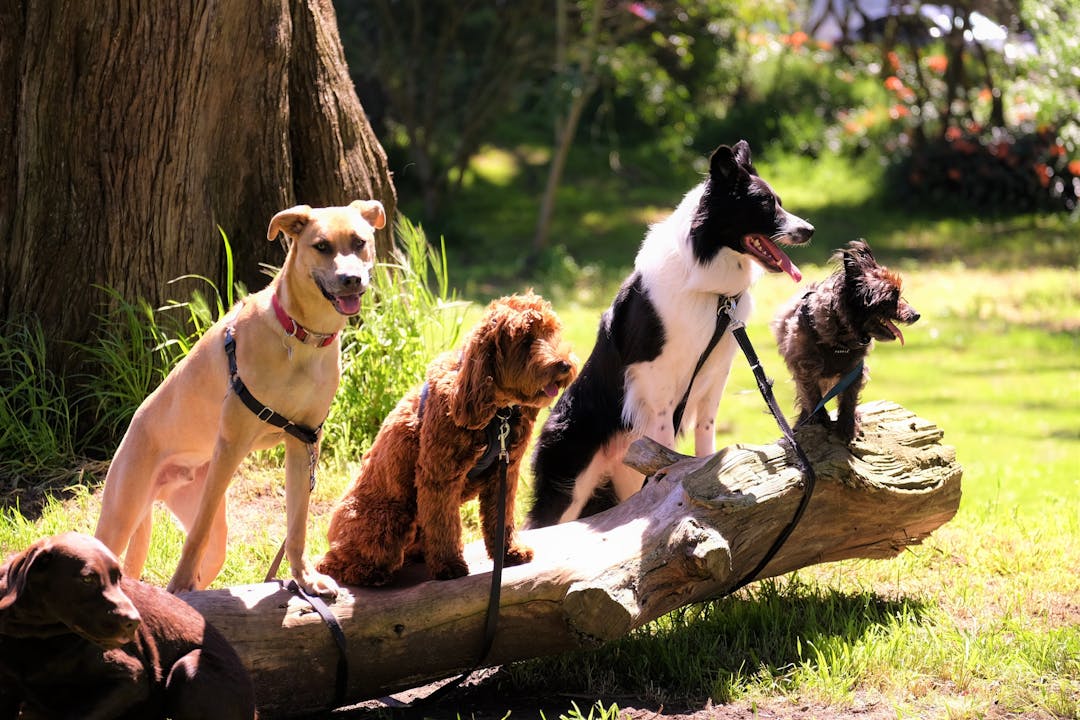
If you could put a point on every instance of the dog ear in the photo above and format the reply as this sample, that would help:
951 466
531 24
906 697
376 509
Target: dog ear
473 403
291 222
17 578
373 212
742 154
725 167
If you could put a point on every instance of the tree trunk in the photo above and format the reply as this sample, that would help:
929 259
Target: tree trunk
133 130
692 533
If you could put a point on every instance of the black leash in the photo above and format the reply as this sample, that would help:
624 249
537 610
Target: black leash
341 677
498 431
310 437
809 477
725 309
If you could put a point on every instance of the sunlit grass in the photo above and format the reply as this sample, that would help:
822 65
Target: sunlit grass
981 620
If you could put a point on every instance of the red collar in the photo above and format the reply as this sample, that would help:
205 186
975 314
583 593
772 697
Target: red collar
297 330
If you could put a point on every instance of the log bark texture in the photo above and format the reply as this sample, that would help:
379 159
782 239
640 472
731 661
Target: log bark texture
692 533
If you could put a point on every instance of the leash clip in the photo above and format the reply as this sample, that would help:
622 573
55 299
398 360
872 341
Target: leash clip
504 433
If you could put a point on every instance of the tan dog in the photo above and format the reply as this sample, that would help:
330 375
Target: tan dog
188 437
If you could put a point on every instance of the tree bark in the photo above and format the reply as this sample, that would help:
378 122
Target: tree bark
693 532
134 130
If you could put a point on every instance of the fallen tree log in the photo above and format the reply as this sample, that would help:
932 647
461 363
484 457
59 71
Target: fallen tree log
693 532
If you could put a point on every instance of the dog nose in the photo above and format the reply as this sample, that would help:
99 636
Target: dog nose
915 316
351 282
128 622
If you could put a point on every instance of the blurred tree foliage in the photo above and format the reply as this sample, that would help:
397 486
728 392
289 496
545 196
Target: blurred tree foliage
436 75
977 95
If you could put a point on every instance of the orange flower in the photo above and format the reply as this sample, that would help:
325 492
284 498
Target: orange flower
894 60
985 95
1057 150
1074 168
894 83
1043 172
898 111
953 133
798 38
937 63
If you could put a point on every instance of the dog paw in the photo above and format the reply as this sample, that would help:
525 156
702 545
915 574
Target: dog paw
315 583
182 582
453 569
518 555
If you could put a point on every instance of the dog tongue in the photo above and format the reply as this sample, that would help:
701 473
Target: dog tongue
347 304
894 330
551 390
772 257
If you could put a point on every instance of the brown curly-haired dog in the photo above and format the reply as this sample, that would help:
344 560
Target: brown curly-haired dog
424 462
826 332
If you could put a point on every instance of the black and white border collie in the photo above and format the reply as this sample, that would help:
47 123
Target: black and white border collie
715 244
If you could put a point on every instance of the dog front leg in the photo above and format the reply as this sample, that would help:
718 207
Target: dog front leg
229 452
437 502
847 421
513 552
298 468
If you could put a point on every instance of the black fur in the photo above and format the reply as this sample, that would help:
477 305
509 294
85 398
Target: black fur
828 329
581 421
735 207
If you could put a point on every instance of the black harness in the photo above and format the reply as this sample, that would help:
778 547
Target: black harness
303 433
725 309
310 437
507 416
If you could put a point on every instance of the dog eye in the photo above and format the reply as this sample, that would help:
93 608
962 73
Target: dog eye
358 244
89 579
323 246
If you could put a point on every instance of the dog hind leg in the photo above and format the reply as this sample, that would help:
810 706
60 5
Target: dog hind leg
139 545
201 686
127 502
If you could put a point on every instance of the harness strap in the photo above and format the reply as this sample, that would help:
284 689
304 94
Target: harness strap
267 415
725 306
843 384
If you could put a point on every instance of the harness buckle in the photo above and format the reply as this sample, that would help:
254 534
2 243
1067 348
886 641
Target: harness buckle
265 414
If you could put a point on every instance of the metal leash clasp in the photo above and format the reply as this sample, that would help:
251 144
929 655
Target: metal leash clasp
504 433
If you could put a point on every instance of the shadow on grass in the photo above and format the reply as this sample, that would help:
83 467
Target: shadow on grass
677 663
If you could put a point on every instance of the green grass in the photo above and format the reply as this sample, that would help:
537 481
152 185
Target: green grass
982 616
982 620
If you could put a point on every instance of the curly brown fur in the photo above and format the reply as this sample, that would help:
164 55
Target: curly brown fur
405 500
826 331
79 640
